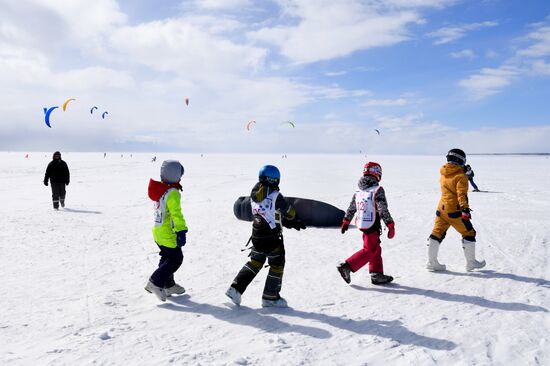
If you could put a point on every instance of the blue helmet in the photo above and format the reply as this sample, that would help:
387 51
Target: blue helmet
270 174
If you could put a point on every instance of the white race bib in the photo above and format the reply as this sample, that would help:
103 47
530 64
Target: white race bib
266 209
366 207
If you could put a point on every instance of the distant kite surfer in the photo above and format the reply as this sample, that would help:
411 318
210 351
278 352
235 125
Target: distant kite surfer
470 174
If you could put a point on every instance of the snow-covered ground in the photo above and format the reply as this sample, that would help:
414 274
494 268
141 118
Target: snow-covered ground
73 280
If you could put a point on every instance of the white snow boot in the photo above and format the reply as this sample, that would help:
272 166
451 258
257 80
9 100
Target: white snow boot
470 255
234 295
433 249
154 289
279 303
174 290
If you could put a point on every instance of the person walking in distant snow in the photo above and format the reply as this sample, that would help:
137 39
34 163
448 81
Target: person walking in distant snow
370 205
57 173
453 210
270 210
169 231
470 174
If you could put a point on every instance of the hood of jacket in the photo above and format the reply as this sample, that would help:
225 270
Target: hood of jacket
448 170
366 182
261 190
157 189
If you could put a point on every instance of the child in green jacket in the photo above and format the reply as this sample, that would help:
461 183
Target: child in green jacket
169 230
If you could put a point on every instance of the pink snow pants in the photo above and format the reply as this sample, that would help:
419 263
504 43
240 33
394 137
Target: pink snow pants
371 254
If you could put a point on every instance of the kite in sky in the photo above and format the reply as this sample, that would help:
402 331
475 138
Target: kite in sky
67 102
47 113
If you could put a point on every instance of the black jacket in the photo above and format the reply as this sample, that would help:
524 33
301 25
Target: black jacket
57 172
260 227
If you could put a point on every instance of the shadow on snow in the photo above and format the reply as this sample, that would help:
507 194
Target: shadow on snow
446 296
81 211
493 274
261 319
243 316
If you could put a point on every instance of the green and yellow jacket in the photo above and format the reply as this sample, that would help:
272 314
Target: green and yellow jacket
167 212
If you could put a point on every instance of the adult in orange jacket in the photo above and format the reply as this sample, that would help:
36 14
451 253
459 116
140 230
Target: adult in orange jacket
453 210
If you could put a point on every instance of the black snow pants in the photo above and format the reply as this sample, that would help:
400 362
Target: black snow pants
58 194
272 249
170 261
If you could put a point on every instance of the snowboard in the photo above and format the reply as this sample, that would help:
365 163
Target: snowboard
311 212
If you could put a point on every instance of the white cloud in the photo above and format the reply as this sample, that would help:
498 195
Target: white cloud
335 73
330 29
335 92
386 102
179 46
527 61
490 81
452 33
467 53
420 3
541 67
490 53
222 4
541 43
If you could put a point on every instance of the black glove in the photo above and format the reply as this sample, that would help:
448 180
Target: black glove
466 215
294 224
287 223
180 238
46 183
299 224
67 183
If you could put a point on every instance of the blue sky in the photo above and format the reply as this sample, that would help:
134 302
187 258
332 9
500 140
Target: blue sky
428 74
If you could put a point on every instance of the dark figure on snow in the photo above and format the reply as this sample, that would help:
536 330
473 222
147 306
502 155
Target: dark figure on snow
57 173
470 174
270 210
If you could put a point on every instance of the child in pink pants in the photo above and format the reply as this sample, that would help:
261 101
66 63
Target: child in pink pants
369 205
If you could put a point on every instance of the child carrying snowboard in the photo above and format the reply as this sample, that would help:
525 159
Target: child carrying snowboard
169 230
369 202
270 210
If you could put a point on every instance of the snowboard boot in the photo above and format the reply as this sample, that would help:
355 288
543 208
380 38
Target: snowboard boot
345 271
234 295
278 303
56 205
470 255
273 283
174 290
433 249
62 202
246 275
154 289
380 278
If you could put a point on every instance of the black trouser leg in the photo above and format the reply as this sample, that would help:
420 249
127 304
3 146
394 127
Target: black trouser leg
58 189
62 193
249 270
274 281
170 279
170 261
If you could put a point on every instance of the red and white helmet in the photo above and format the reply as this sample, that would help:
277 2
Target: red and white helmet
373 169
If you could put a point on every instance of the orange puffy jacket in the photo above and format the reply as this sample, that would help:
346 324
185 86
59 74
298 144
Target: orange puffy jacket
454 188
